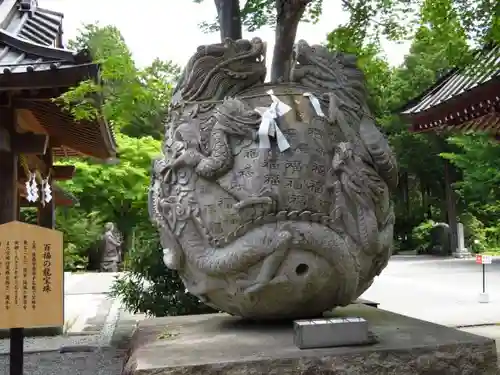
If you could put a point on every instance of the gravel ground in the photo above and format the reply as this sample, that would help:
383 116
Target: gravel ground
52 343
107 362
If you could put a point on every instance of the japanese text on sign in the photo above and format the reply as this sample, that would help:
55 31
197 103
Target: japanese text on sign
47 265
483 259
33 275
7 276
16 273
25 274
31 271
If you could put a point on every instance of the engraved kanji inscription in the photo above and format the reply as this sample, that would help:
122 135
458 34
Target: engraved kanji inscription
47 268
7 301
33 275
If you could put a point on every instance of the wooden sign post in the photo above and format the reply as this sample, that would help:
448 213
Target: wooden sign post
31 283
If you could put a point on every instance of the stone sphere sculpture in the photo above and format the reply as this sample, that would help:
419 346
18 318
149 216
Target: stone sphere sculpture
272 200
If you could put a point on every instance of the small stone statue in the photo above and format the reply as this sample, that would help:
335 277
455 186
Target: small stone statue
111 257
273 200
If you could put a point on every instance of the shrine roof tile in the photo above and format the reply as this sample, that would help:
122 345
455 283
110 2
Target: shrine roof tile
18 55
459 81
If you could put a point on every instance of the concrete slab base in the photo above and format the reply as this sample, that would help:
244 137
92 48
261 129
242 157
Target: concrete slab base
224 345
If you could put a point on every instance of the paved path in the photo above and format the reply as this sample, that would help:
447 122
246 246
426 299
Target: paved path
86 302
444 291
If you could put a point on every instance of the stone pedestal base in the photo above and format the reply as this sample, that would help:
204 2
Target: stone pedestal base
224 345
462 254
484 298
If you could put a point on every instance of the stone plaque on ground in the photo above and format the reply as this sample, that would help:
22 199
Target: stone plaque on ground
330 332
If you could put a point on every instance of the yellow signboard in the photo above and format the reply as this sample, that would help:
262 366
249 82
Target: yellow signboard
31 276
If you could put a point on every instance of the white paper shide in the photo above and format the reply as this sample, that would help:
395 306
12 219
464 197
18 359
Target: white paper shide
269 126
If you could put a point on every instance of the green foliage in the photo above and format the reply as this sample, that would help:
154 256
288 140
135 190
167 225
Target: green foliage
478 189
475 234
478 159
133 101
395 19
119 191
421 235
82 233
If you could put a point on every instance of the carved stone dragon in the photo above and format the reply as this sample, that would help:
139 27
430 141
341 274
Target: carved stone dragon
269 233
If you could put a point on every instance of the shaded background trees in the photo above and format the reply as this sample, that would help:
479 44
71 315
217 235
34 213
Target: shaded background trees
134 101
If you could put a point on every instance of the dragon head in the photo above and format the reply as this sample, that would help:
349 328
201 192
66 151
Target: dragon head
221 70
315 65
337 64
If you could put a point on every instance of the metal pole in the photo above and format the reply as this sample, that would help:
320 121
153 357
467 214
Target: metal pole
484 278
16 351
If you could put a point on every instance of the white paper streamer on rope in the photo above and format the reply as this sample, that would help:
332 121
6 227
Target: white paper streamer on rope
31 188
47 191
315 103
269 126
29 195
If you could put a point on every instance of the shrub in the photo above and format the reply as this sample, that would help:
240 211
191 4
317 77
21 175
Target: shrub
82 233
421 235
475 234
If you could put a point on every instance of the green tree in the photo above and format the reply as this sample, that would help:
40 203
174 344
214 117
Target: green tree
157 81
478 159
82 233
118 191
439 43
132 100
395 19
479 187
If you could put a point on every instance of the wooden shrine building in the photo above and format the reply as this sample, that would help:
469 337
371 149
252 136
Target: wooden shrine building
467 99
35 131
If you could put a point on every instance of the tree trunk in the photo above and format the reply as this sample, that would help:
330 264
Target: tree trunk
424 198
228 13
428 193
405 189
451 209
289 13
